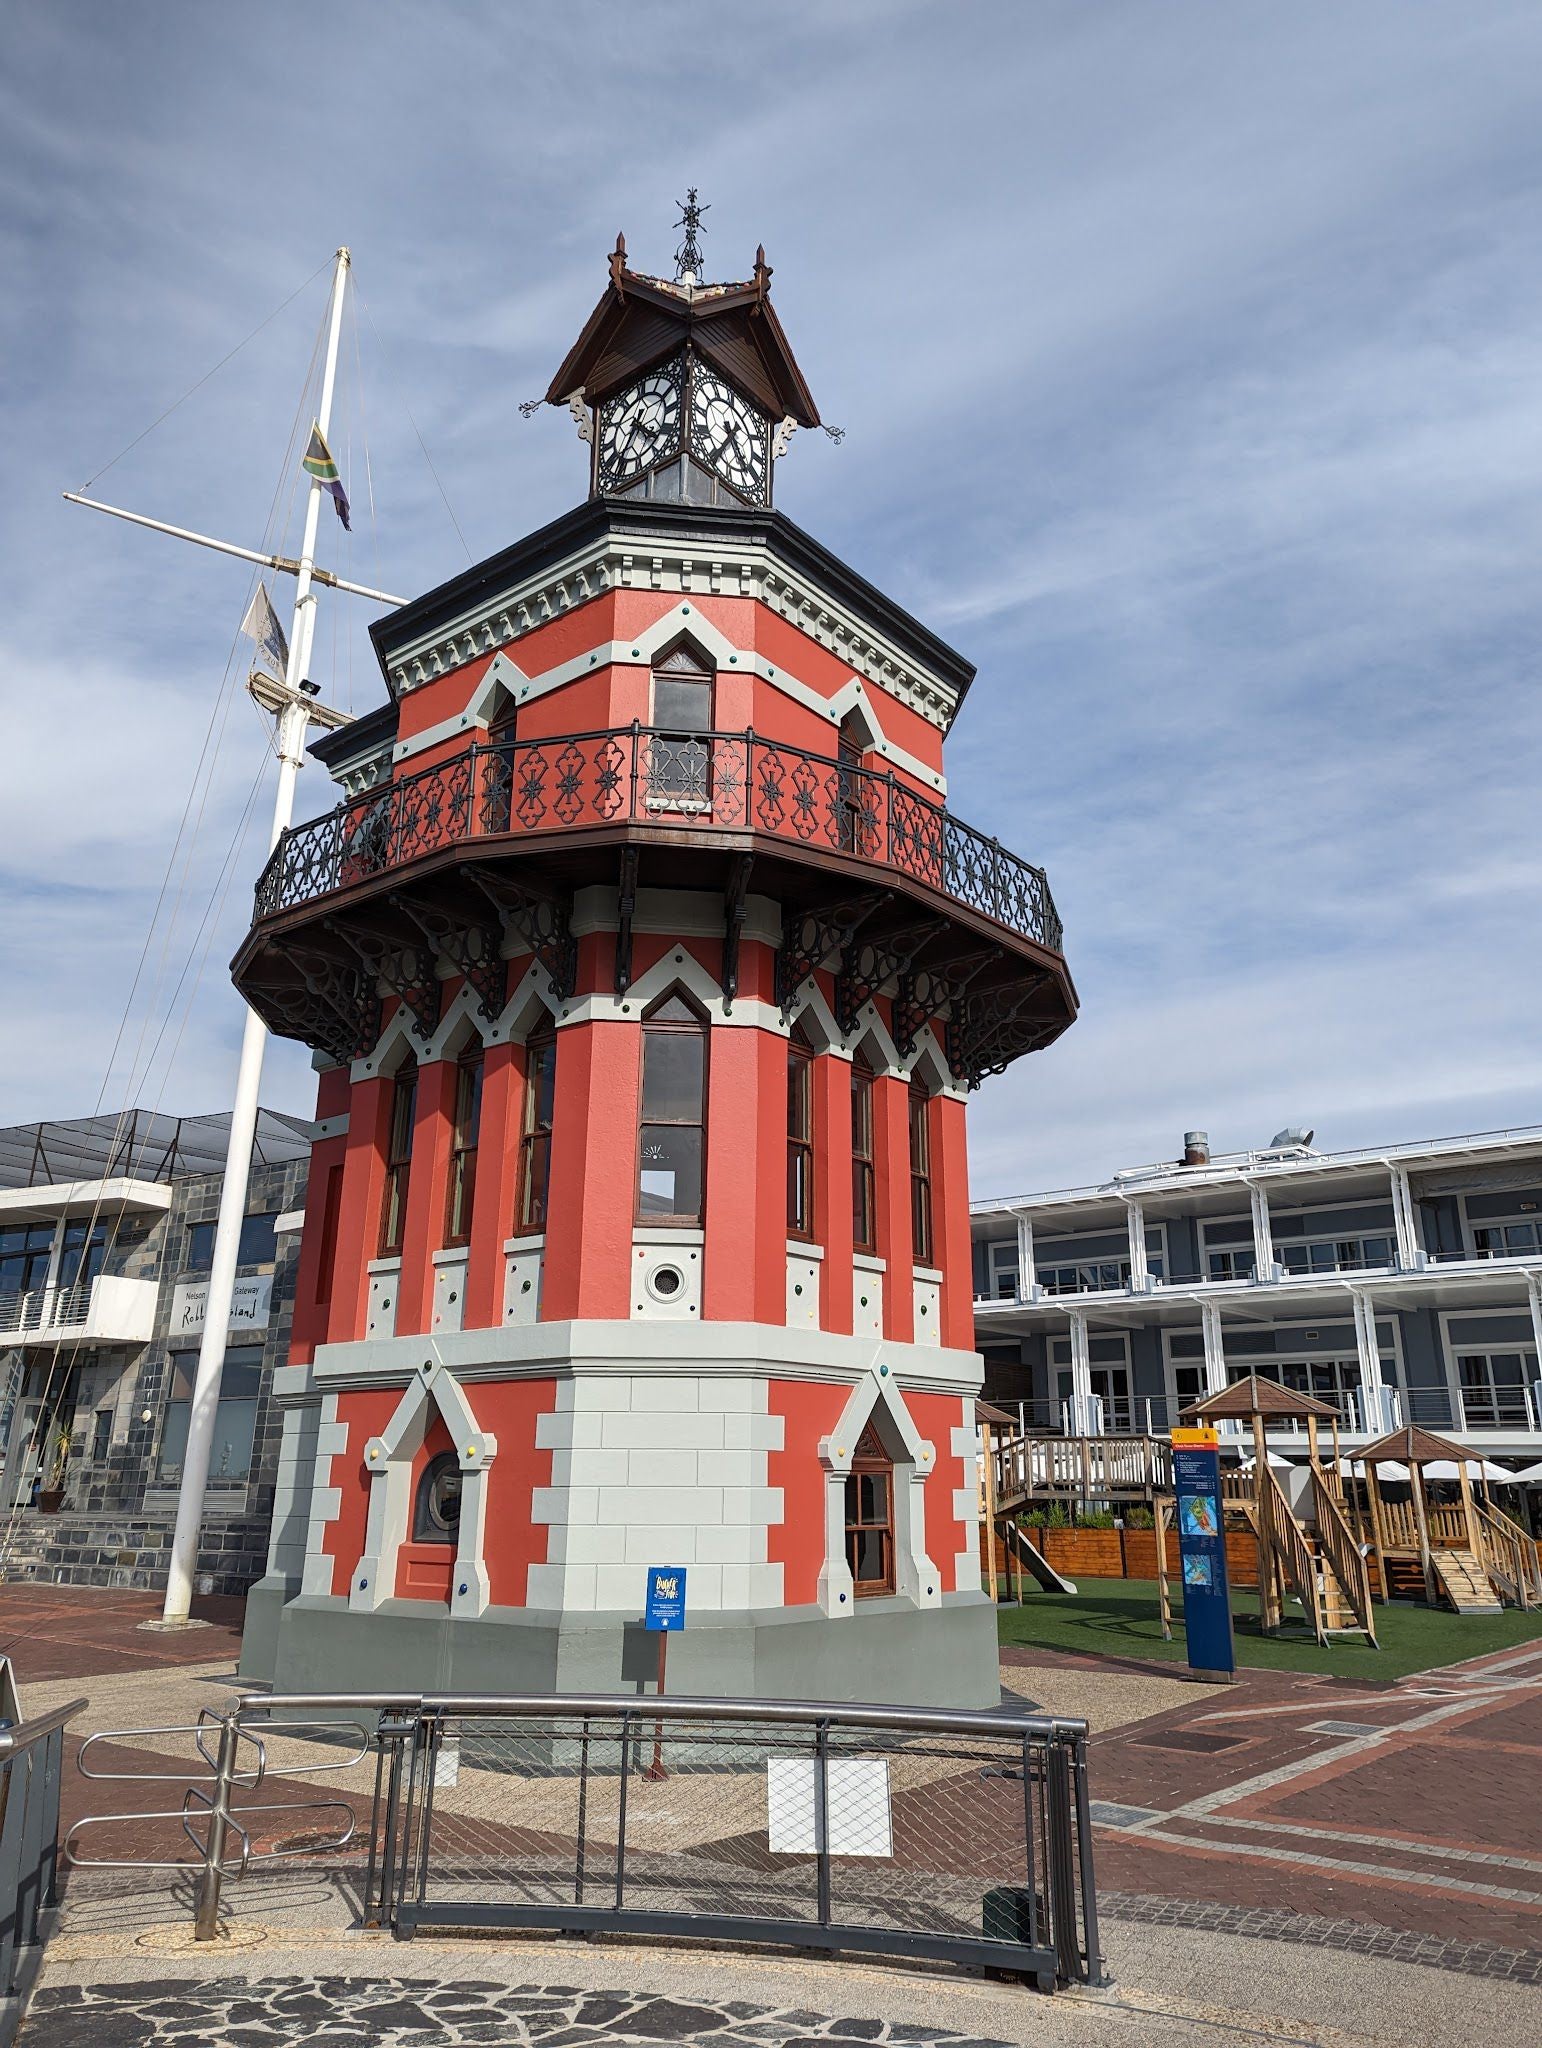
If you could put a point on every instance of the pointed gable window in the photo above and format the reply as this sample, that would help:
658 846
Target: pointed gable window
679 749
671 1149
870 1517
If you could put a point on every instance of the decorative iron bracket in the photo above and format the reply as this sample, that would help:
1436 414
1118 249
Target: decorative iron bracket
345 993
407 970
815 936
985 1034
538 922
472 946
626 907
868 967
925 992
733 924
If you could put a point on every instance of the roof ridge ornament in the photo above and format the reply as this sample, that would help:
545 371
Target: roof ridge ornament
688 258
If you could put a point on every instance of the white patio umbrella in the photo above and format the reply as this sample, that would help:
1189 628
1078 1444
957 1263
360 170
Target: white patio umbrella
1271 1457
1530 1475
1446 1468
1387 1468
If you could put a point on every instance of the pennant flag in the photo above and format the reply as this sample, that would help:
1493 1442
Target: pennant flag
318 463
261 625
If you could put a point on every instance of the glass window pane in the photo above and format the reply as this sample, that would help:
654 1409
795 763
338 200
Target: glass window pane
543 1079
243 1372
174 1439
669 1171
869 1568
682 703
230 1454
672 1076
200 1247
258 1246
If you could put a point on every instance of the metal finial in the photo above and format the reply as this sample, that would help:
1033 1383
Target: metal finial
688 255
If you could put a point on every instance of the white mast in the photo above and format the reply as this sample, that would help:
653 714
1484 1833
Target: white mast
293 717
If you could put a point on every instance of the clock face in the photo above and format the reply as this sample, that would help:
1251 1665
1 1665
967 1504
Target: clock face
639 426
729 435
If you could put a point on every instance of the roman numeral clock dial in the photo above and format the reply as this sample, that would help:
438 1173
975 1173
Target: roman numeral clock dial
638 427
729 436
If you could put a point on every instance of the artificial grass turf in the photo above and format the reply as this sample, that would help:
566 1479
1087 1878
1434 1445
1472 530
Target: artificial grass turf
1119 1618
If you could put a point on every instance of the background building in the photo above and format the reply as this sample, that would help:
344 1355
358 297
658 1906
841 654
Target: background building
106 1232
1402 1283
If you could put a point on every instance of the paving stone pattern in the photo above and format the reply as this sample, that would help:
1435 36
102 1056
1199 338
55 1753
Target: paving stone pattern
390 2012
1468 1958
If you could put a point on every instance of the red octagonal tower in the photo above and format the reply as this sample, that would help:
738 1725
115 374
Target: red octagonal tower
648 971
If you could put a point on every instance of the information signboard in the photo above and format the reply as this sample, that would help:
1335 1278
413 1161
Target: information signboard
1202 1551
665 1604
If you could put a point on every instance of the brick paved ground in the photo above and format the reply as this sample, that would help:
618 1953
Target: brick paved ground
1263 1795
80 1632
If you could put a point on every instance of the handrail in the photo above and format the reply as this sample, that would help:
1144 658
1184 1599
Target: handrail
1345 1558
1285 1534
1509 1552
701 782
22 1737
678 1707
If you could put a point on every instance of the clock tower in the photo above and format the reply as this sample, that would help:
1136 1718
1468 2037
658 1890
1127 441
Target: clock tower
686 392
648 968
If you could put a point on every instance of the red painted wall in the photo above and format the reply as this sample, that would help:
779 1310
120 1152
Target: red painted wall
797 1543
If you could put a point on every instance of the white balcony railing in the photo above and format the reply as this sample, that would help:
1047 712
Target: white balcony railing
44 1308
112 1308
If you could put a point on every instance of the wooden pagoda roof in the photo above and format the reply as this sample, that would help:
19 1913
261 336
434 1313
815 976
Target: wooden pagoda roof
1255 1396
1411 1445
642 320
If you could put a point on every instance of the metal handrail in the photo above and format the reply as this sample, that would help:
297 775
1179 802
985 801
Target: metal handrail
712 781
27 1733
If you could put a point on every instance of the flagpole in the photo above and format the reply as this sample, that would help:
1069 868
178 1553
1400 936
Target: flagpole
291 727
228 547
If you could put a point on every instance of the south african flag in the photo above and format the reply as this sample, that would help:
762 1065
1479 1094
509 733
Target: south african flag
317 462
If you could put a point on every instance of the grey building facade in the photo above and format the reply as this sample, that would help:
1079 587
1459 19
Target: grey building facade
1403 1283
106 1233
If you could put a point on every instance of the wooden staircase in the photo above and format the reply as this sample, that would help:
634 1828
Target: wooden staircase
1464 1582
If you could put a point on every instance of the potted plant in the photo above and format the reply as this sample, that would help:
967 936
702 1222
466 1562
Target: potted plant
51 1495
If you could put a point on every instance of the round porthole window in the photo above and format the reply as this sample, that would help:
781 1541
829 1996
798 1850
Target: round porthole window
665 1282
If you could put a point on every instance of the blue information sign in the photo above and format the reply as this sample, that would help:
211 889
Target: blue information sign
665 1608
1202 1556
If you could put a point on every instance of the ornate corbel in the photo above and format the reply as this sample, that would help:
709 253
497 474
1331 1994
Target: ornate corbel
817 934
733 924
538 923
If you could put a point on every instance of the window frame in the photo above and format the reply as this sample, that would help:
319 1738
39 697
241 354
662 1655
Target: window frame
535 1135
465 1135
652 1022
923 1242
425 1529
870 1461
400 1128
671 781
800 1142
864 1173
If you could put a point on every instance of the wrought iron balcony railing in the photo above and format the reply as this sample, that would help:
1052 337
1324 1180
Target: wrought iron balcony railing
707 782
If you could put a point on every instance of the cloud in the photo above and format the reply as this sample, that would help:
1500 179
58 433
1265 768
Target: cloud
1188 366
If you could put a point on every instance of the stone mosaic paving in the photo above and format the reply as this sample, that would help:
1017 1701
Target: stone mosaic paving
389 2012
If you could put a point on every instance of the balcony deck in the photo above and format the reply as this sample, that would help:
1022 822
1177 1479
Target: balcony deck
729 811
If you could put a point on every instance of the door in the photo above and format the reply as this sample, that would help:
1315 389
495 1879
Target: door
1111 1386
22 1454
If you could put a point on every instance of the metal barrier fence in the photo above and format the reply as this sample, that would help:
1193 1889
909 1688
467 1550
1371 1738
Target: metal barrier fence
897 1831
31 1756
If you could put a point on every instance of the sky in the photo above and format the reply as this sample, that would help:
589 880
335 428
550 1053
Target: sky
1190 364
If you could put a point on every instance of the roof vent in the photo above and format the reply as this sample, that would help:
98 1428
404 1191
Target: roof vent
1292 1135
1196 1148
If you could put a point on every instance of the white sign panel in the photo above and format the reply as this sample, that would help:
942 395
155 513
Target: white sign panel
249 1306
856 1806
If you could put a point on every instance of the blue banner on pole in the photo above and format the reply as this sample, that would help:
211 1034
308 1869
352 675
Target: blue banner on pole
1202 1557
665 1605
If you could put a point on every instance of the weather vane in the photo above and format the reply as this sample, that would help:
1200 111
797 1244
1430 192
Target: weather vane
688 265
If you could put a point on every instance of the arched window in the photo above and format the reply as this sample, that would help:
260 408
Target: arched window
436 1510
800 1134
393 1207
535 1128
671 1149
463 1146
870 1517
852 744
679 765
920 1176
864 1210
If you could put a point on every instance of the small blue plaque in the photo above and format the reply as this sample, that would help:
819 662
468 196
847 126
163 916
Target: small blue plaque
665 1607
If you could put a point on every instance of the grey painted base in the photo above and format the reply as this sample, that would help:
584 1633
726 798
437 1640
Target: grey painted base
887 1651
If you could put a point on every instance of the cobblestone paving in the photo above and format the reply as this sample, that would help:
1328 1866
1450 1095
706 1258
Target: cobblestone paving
1263 1923
356 2012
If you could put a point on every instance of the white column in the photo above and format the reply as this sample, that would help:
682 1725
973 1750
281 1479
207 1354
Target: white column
1080 1418
1215 1350
1135 1216
1410 1253
1027 1271
1534 1300
1377 1411
1264 1267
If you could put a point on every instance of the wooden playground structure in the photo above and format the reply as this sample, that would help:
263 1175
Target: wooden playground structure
1317 1551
